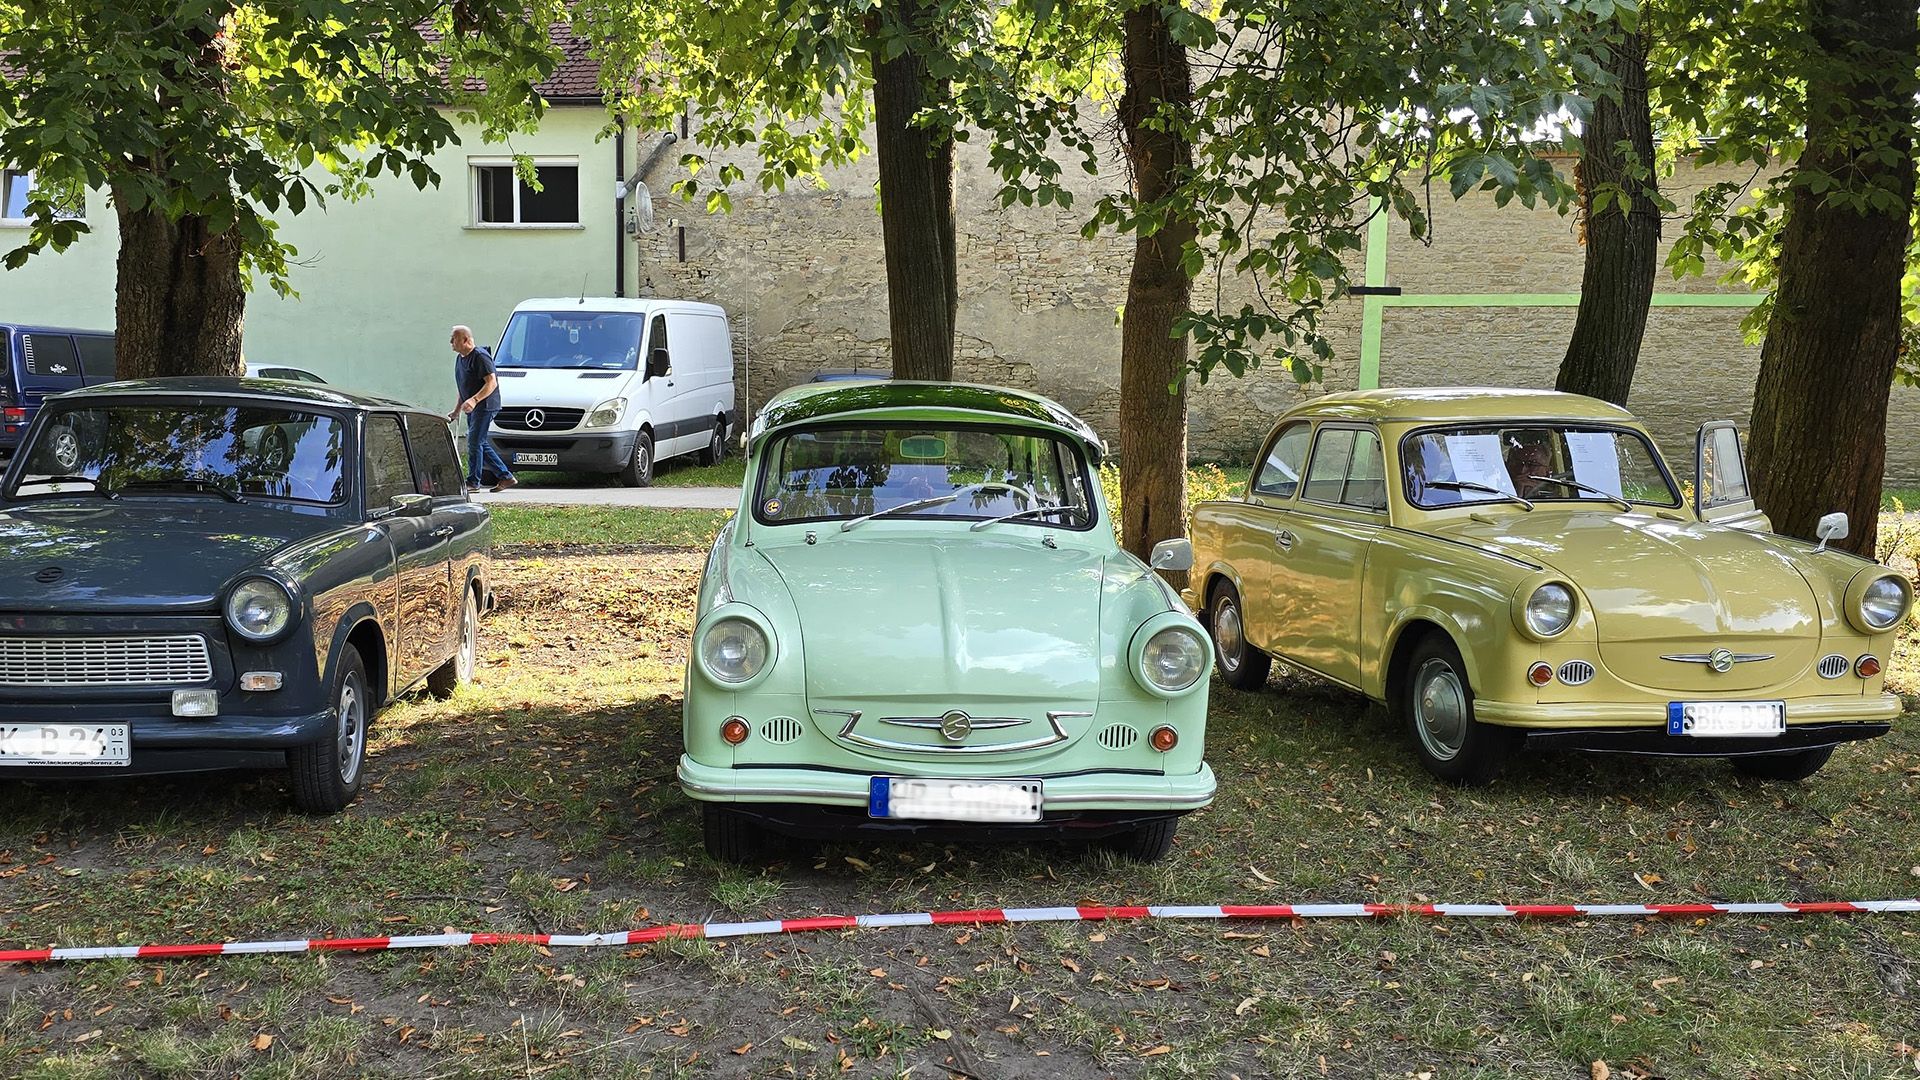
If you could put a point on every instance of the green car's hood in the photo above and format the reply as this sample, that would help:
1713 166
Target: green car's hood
914 622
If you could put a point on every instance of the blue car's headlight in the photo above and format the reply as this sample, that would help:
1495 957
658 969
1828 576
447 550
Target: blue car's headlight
259 609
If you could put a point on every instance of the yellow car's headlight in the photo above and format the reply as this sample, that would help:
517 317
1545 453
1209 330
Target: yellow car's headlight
1550 609
1885 601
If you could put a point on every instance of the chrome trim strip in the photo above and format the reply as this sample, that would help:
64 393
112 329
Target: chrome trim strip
1729 658
980 723
1047 802
1057 735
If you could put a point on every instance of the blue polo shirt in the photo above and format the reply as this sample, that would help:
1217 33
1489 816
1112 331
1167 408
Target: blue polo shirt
470 374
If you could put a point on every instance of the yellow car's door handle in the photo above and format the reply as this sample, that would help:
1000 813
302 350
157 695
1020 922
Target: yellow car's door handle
1285 539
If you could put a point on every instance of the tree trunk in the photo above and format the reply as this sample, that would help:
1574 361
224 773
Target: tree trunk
1153 362
916 212
1623 237
180 297
1826 369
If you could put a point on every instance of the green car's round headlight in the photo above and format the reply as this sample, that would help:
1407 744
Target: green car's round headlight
259 609
1884 602
1173 659
1550 609
734 650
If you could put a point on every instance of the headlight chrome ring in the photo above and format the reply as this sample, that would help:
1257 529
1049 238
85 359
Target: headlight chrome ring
734 650
1549 610
259 609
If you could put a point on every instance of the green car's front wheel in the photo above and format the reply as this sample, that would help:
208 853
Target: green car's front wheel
1435 702
1147 843
729 836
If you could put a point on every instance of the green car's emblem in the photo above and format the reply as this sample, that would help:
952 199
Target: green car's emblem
956 726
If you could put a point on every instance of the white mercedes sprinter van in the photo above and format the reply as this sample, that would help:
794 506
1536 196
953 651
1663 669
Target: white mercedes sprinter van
599 384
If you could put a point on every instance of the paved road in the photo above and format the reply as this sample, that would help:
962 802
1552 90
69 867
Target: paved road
694 498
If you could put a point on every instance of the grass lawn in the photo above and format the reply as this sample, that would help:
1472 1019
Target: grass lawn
543 799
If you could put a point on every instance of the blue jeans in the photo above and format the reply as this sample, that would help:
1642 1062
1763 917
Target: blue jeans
480 451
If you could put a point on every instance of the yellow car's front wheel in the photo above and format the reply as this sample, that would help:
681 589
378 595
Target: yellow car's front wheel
1435 701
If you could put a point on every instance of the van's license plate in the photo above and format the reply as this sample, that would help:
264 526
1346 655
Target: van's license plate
954 800
1719 719
64 744
536 459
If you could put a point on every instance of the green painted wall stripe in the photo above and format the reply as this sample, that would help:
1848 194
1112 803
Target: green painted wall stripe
1373 308
1372 311
1495 300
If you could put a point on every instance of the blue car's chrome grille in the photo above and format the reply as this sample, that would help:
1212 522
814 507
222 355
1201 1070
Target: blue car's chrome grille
104 661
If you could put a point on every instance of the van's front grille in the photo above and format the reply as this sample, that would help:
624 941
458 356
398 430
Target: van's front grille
104 661
539 418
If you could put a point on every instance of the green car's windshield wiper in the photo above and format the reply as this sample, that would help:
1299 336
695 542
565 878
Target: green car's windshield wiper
186 483
937 500
1587 488
97 489
1468 485
1031 511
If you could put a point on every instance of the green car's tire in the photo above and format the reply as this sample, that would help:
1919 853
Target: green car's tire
1435 703
1148 843
1241 665
1797 765
730 837
326 774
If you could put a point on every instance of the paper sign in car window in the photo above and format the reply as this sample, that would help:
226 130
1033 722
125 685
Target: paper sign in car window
1476 460
1595 459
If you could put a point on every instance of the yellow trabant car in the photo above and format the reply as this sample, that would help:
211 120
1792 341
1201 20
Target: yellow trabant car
1504 566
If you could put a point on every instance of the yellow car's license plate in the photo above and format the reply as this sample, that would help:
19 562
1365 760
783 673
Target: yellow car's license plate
1719 719
954 800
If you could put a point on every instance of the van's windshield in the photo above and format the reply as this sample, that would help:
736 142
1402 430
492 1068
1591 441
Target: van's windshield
572 339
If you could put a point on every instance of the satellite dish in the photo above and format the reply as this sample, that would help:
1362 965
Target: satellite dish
640 213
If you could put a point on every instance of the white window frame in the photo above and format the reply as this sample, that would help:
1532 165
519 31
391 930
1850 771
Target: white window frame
475 164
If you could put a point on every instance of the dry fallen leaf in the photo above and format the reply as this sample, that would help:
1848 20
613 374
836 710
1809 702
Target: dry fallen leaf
1163 1048
801 1045
262 1041
1245 1004
743 1048
1600 1071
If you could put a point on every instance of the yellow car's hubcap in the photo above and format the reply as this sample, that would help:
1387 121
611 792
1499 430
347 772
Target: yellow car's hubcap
1440 709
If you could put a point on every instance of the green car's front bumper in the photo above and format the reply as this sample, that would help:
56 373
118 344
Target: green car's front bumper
1146 792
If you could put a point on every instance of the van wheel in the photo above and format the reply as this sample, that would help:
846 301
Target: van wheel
1436 704
326 773
639 470
716 451
65 447
1241 665
1797 765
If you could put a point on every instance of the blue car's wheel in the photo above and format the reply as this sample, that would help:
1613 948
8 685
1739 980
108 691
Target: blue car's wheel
326 773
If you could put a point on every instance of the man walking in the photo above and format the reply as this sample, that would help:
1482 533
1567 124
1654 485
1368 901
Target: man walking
480 400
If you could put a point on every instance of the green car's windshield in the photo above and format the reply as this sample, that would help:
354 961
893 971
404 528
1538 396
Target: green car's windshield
140 448
924 471
1535 462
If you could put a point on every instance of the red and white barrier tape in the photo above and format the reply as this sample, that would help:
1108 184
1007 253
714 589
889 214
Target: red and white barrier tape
981 917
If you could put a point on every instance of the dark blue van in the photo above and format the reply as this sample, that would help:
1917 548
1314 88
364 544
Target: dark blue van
38 361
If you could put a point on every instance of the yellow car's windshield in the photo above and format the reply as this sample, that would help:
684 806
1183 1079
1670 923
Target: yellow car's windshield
1535 462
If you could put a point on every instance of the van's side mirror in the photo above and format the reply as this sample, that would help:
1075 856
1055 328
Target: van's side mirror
658 364
1175 555
1831 527
410 505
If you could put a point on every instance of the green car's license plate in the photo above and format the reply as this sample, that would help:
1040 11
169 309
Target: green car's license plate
64 744
1719 719
936 799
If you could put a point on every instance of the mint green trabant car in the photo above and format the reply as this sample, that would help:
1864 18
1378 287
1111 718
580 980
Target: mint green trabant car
919 623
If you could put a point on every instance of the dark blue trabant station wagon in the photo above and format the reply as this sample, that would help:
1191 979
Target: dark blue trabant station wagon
229 573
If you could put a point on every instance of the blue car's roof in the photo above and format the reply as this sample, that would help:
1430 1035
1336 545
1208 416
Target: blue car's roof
220 386
27 328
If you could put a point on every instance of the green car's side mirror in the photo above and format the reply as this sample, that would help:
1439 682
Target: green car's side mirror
1175 555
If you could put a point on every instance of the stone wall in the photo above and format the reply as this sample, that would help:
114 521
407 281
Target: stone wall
802 272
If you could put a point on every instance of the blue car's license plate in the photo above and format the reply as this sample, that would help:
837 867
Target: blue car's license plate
1721 719
940 799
